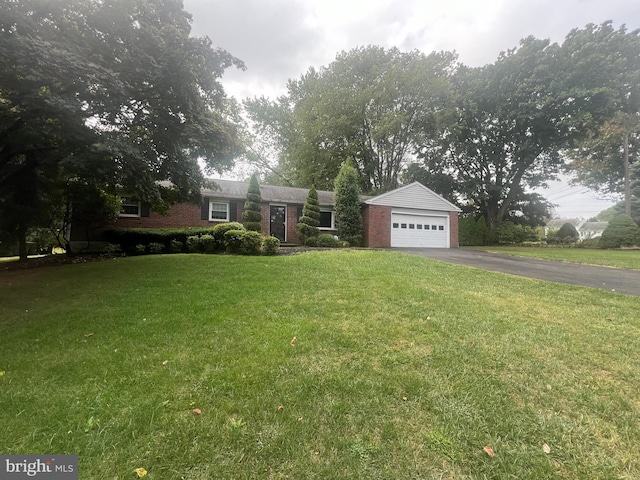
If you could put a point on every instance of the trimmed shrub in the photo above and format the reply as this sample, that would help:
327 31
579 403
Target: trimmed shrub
176 246
113 249
621 232
155 247
193 244
141 249
310 219
128 238
311 242
326 240
270 246
252 214
251 243
233 240
219 233
207 244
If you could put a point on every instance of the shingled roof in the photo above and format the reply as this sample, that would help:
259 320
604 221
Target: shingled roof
270 193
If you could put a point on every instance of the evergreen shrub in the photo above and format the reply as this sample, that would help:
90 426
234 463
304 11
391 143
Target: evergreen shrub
622 231
270 246
156 247
326 240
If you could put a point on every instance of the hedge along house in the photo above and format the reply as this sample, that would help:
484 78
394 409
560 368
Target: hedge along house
410 216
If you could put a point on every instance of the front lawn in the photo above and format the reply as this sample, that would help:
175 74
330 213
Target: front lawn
629 259
402 367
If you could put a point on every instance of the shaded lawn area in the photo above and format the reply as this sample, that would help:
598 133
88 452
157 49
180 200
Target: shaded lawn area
629 259
403 368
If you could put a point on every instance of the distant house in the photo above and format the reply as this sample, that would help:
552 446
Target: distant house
592 229
409 216
585 228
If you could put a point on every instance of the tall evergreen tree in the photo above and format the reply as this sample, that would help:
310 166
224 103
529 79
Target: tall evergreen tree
252 215
308 225
347 205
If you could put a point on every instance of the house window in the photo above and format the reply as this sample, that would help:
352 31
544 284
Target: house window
396 225
440 227
219 211
419 226
411 226
130 207
326 221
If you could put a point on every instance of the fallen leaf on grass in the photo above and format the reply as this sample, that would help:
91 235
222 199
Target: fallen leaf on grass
165 362
89 335
546 448
141 472
280 407
294 340
197 411
1 373
489 451
405 398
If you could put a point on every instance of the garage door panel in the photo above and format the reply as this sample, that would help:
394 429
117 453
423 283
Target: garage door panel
418 231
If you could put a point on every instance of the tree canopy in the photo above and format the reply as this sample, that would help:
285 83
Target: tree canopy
605 62
112 93
371 105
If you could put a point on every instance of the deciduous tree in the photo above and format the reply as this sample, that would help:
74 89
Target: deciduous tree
370 104
111 93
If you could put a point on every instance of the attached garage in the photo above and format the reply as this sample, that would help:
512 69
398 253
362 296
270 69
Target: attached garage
419 231
416 217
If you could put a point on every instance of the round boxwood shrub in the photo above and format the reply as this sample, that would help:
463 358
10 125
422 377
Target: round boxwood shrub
221 229
622 231
270 246
233 240
207 244
251 243
193 243
327 240
176 246
156 247
141 249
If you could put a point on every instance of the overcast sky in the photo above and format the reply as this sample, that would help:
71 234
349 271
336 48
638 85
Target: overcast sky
281 39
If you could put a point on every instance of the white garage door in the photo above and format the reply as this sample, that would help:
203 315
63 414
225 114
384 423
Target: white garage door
418 231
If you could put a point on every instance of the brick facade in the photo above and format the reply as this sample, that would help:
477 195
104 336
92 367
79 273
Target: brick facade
376 226
453 230
376 220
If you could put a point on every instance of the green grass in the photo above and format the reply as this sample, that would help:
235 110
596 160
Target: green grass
403 368
629 259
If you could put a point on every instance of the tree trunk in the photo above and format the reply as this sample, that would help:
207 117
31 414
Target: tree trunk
627 181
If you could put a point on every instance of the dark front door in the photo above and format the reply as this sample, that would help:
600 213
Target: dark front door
278 215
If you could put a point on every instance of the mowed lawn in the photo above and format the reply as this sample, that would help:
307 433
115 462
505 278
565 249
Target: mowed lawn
404 368
628 259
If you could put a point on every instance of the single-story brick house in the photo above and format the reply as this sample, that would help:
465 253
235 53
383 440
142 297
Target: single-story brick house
409 216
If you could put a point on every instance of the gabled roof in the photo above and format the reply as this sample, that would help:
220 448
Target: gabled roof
414 195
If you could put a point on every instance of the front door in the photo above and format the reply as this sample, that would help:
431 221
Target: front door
278 215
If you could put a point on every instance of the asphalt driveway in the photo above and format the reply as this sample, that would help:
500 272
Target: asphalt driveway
605 278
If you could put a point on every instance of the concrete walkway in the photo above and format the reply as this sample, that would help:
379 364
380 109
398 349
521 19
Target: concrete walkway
604 278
